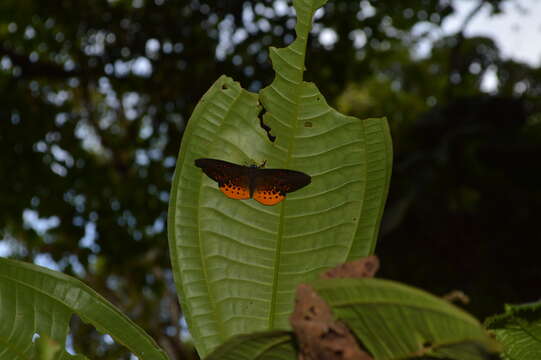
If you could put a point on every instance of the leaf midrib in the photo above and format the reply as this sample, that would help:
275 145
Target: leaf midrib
302 37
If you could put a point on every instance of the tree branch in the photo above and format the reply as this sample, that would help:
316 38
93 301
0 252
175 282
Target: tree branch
471 15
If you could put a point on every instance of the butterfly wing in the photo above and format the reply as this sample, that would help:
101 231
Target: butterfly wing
272 185
233 180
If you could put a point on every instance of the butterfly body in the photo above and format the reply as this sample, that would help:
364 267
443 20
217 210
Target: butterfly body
267 186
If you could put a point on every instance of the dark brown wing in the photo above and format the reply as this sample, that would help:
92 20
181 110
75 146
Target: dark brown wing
233 180
272 185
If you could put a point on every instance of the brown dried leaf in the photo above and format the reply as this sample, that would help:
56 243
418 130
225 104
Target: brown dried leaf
319 335
361 268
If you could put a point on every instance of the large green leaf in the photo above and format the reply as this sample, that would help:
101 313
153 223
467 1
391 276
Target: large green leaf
519 330
35 301
236 263
269 345
395 321
379 163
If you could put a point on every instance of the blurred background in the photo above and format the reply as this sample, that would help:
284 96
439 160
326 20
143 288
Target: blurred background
94 97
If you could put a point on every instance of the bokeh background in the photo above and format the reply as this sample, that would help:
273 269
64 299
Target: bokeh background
94 97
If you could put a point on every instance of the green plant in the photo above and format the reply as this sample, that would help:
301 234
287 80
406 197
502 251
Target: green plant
237 263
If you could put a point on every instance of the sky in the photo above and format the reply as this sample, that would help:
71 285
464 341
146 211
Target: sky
517 31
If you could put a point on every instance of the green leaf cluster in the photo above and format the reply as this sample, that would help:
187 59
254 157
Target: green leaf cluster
519 331
36 305
236 263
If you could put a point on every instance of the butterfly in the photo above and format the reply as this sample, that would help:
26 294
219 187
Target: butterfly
267 186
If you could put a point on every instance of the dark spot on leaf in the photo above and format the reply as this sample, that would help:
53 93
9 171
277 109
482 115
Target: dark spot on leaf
360 268
307 124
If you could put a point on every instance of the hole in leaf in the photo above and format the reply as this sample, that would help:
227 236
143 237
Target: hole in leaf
35 336
264 126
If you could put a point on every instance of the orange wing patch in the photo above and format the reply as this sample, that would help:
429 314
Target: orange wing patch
268 197
235 191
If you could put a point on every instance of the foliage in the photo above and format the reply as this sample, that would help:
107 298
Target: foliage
37 305
237 263
394 321
271 345
391 320
89 139
519 330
